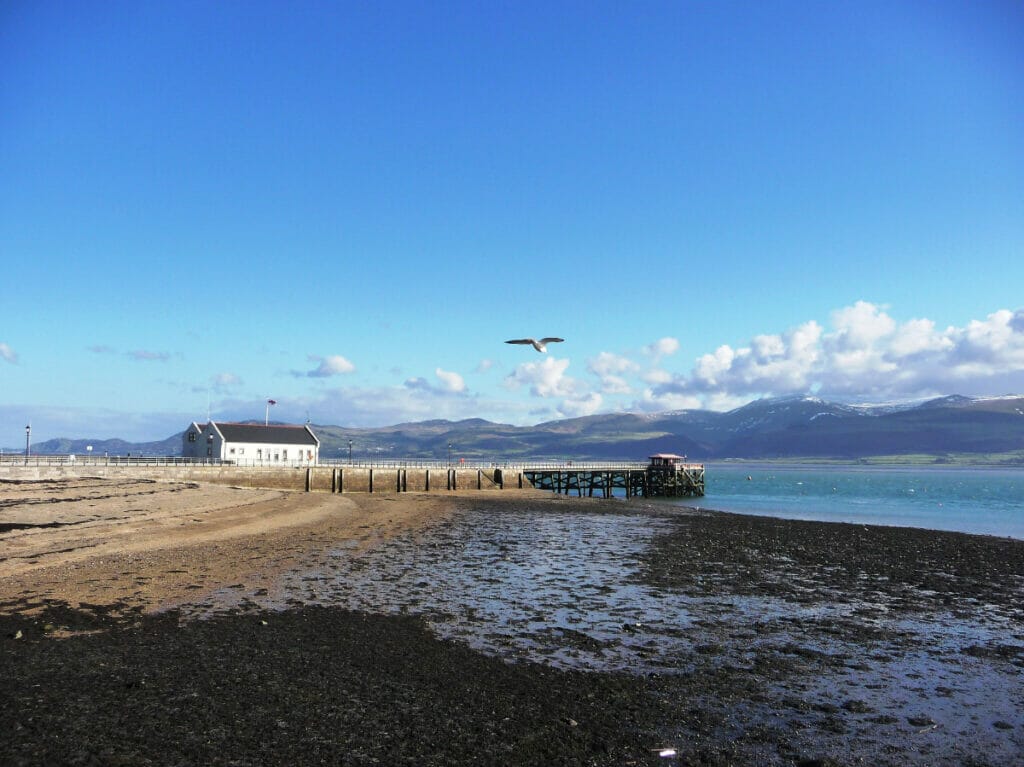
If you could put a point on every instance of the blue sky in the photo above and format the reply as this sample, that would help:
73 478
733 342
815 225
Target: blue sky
348 207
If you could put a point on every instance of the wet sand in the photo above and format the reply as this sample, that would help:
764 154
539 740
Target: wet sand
154 623
146 545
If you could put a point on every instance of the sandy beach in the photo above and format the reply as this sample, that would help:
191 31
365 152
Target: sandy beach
149 545
176 623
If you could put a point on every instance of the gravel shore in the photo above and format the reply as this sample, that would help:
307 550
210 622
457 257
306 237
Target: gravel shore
213 635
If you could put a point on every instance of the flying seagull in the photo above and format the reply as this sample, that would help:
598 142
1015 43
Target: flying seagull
541 345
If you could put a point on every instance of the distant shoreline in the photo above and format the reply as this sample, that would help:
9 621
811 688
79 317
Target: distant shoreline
1012 461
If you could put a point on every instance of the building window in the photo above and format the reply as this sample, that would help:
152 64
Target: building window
241 451
191 436
209 451
232 451
284 454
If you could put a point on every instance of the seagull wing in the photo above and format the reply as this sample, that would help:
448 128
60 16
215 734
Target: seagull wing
540 345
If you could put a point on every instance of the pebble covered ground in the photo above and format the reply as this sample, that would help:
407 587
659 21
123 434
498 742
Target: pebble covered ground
541 631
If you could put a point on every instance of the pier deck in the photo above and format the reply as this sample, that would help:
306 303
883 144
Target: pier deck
633 480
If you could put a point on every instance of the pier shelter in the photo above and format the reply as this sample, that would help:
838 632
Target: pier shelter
670 475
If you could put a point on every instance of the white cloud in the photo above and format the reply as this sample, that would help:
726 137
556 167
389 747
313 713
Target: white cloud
7 353
586 404
918 336
452 382
663 347
142 355
332 365
653 402
449 384
657 376
860 325
615 385
1017 321
865 353
607 363
419 383
711 366
225 380
546 378
611 368
995 337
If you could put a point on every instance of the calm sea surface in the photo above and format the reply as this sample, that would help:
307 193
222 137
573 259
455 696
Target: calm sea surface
969 500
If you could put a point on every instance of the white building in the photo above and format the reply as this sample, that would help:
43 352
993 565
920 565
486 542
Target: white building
247 444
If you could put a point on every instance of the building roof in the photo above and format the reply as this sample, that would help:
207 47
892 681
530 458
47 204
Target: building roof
260 434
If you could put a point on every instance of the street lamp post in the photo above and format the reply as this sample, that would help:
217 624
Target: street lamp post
28 442
350 452
449 453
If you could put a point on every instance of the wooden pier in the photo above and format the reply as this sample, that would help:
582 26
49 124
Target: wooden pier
663 477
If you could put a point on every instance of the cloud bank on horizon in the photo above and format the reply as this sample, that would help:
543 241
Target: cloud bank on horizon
866 354
863 354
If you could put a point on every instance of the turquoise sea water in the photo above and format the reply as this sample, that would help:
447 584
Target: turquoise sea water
969 500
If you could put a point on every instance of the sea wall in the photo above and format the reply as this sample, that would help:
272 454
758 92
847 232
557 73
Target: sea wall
328 479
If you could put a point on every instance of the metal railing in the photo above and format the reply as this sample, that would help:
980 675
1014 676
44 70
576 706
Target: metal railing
14 459
480 463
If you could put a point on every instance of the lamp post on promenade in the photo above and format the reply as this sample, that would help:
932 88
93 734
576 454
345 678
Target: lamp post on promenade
350 452
449 453
28 442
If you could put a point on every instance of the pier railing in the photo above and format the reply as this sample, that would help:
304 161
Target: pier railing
13 459
474 463
87 459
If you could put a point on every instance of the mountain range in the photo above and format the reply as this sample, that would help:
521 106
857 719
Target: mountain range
948 429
